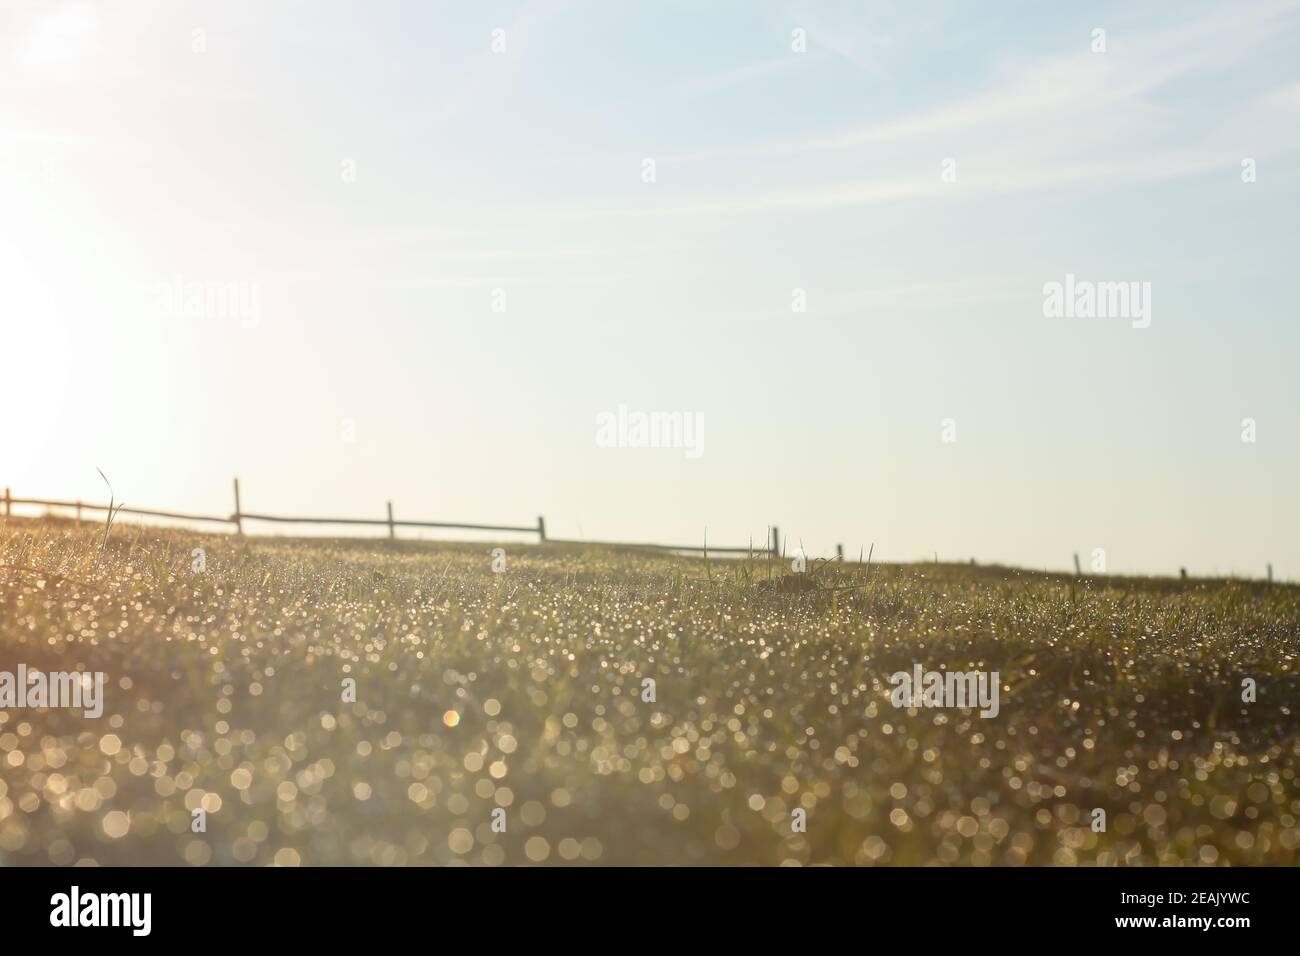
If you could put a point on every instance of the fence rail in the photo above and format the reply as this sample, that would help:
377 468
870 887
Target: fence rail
239 516
773 547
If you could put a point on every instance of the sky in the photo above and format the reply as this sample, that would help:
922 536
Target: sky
434 243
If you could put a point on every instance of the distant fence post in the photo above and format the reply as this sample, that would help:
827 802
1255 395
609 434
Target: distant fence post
78 512
541 529
1077 568
238 516
776 541
839 552
392 532
9 504
1270 573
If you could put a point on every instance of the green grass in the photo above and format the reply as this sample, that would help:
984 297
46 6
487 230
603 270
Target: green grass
523 691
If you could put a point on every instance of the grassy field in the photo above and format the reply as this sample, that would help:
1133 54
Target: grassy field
523 691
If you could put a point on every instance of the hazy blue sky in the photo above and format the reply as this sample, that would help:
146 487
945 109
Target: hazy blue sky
376 170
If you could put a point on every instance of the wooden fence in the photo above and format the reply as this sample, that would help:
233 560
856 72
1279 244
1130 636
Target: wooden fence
239 516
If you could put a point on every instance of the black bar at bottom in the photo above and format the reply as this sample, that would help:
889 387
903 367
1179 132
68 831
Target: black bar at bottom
930 906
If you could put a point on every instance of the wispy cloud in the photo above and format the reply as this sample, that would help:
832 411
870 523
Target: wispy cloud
741 75
1077 118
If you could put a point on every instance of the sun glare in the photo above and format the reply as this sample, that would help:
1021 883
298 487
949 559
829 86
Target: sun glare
58 39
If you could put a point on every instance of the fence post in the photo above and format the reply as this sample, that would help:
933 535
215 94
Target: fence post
9 504
839 552
392 532
1077 570
1270 573
776 541
78 511
238 517
541 529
